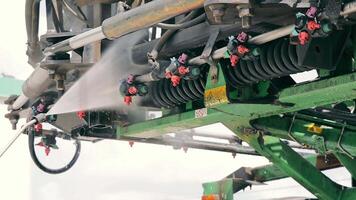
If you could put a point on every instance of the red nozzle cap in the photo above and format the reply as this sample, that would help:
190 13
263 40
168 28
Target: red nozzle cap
175 80
132 90
131 143
303 37
38 128
241 49
312 25
183 70
81 115
128 100
41 144
168 74
47 151
234 59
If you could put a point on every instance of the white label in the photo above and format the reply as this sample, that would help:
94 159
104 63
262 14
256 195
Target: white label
200 113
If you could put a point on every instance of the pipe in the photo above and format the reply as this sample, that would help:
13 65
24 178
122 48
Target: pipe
32 9
270 36
17 135
167 35
219 53
127 22
195 144
258 40
38 118
188 24
33 87
138 18
349 8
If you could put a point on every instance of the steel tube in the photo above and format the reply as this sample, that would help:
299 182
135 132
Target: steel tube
34 53
260 39
38 82
139 18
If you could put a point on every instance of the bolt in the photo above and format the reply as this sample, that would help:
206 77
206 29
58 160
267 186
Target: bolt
326 27
218 12
143 89
256 51
195 71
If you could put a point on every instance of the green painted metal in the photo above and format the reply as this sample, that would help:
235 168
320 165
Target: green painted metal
9 86
223 189
331 138
292 163
348 162
291 99
245 176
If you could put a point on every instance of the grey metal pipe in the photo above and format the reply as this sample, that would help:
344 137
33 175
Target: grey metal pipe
219 53
32 9
114 27
34 86
195 144
260 39
349 8
138 18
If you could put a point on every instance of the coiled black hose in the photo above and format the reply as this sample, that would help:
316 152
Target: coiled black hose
165 95
276 59
31 145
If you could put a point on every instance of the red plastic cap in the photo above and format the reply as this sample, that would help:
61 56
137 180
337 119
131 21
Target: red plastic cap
241 49
132 90
127 100
168 74
38 128
47 151
312 25
131 143
175 80
234 59
183 70
303 37
81 114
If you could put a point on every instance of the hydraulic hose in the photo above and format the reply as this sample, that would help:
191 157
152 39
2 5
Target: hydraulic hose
31 145
165 37
187 24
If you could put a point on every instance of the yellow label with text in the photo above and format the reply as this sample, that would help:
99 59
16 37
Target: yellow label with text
215 96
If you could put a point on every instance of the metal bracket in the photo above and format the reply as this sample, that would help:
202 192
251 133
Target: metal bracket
210 43
343 150
290 129
320 144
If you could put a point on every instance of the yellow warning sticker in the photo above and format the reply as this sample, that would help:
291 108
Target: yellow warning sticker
314 128
215 96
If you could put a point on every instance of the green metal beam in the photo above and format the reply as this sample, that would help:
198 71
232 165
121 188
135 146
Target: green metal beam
291 99
332 139
246 176
348 162
292 163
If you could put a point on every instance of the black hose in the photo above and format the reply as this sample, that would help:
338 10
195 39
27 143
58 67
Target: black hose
165 37
331 114
187 24
31 144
